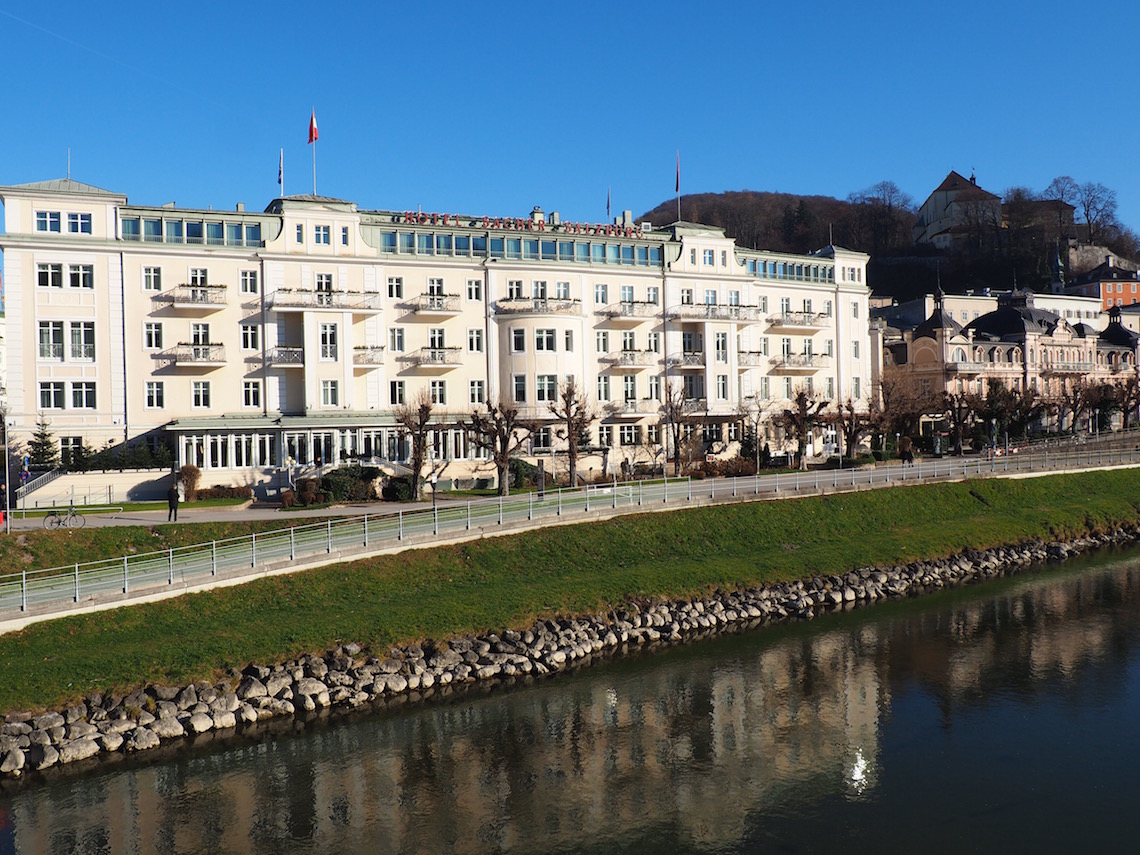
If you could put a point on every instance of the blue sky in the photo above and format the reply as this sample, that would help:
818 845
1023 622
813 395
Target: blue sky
492 108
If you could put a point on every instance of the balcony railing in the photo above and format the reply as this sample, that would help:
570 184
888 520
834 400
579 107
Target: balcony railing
285 298
368 356
633 407
538 306
630 358
811 320
751 359
427 304
285 356
799 362
84 352
209 296
715 312
688 359
1062 367
51 351
435 356
194 354
694 405
631 310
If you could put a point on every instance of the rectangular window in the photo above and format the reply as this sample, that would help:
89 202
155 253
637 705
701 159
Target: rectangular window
829 347
436 338
520 388
628 434
249 281
655 387
722 387
686 296
83 340
199 333
546 387
653 434
514 289
708 257
710 298
539 287
439 391
200 394
765 392
81 275
478 392
653 342
152 336
435 287
328 342
152 278
854 310
396 339
629 388
855 388
628 340
47 221
541 438
788 387
474 289
855 349
155 395
251 393
344 236
722 347
831 388
602 341
475 341
544 340
606 435
569 341
250 337
627 293
83 395
79 224
827 308
300 233
396 287
330 393
51 396
49 275
51 339
396 392
601 294
199 276
518 340
562 290
604 387
321 235
652 294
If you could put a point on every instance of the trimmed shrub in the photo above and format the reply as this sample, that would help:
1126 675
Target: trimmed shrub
220 492
397 490
190 475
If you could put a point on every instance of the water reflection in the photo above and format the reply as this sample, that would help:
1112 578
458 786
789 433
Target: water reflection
685 750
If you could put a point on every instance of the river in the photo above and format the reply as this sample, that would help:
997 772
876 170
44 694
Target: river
994 718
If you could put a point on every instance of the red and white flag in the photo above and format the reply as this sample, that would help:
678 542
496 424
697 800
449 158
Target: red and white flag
678 187
313 128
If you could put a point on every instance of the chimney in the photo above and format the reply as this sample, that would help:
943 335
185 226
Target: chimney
536 215
555 218
1108 261
240 207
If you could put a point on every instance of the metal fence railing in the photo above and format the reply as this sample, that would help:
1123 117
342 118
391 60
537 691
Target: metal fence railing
56 590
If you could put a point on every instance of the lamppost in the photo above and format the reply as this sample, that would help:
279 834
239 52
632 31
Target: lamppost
434 479
7 479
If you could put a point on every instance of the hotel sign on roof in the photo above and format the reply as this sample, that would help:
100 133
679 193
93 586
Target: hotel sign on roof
516 224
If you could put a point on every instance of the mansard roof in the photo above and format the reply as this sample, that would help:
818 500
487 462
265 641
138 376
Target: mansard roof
1014 318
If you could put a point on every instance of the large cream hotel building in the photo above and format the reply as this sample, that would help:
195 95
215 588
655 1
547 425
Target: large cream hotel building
253 341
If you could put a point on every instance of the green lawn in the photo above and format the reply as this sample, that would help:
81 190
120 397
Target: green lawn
509 581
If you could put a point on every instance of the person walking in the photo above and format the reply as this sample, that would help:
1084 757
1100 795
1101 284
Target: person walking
172 503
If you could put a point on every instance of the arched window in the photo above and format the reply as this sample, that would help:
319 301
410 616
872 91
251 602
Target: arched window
959 355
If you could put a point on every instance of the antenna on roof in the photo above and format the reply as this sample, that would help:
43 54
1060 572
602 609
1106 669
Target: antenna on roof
830 235
69 163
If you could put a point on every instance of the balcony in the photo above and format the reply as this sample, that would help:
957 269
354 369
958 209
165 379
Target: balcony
435 305
631 312
54 352
800 320
688 359
970 368
288 300
194 355
202 298
634 407
632 359
367 356
751 359
285 357
1051 367
435 357
798 363
694 405
538 306
715 312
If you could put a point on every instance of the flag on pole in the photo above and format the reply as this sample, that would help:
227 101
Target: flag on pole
678 188
313 129
281 169
607 204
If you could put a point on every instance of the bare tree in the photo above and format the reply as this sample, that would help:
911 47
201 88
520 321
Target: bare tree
902 406
415 417
800 418
753 415
1129 396
1072 400
575 415
1098 208
673 414
853 422
501 430
1061 195
960 409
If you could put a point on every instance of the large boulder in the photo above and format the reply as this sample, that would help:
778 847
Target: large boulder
78 749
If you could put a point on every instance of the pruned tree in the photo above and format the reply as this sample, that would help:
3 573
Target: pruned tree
1008 411
415 417
575 415
673 415
1129 397
1072 401
753 415
501 430
902 404
852 420
960 409
1103 402
802 415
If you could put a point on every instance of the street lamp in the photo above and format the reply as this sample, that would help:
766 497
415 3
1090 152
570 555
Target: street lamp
434 479
7 473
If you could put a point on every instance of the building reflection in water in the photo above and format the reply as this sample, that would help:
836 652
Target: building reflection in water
686 745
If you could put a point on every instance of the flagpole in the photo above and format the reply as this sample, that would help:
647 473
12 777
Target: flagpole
314 142
281 172
678 185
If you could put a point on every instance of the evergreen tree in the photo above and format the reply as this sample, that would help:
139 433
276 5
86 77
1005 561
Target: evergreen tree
43 450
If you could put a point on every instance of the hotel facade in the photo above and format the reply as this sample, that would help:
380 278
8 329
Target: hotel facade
256 341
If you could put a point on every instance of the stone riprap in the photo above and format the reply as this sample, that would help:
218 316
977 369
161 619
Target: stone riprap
349 678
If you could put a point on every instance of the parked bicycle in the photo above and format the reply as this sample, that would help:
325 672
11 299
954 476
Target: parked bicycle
70 519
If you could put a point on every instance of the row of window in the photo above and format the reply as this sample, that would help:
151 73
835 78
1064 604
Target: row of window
78 275
322 235
52 221
52 343
183 231
790 270
53 395
533 249
200 394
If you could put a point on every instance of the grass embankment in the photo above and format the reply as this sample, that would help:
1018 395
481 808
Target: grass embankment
509 581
